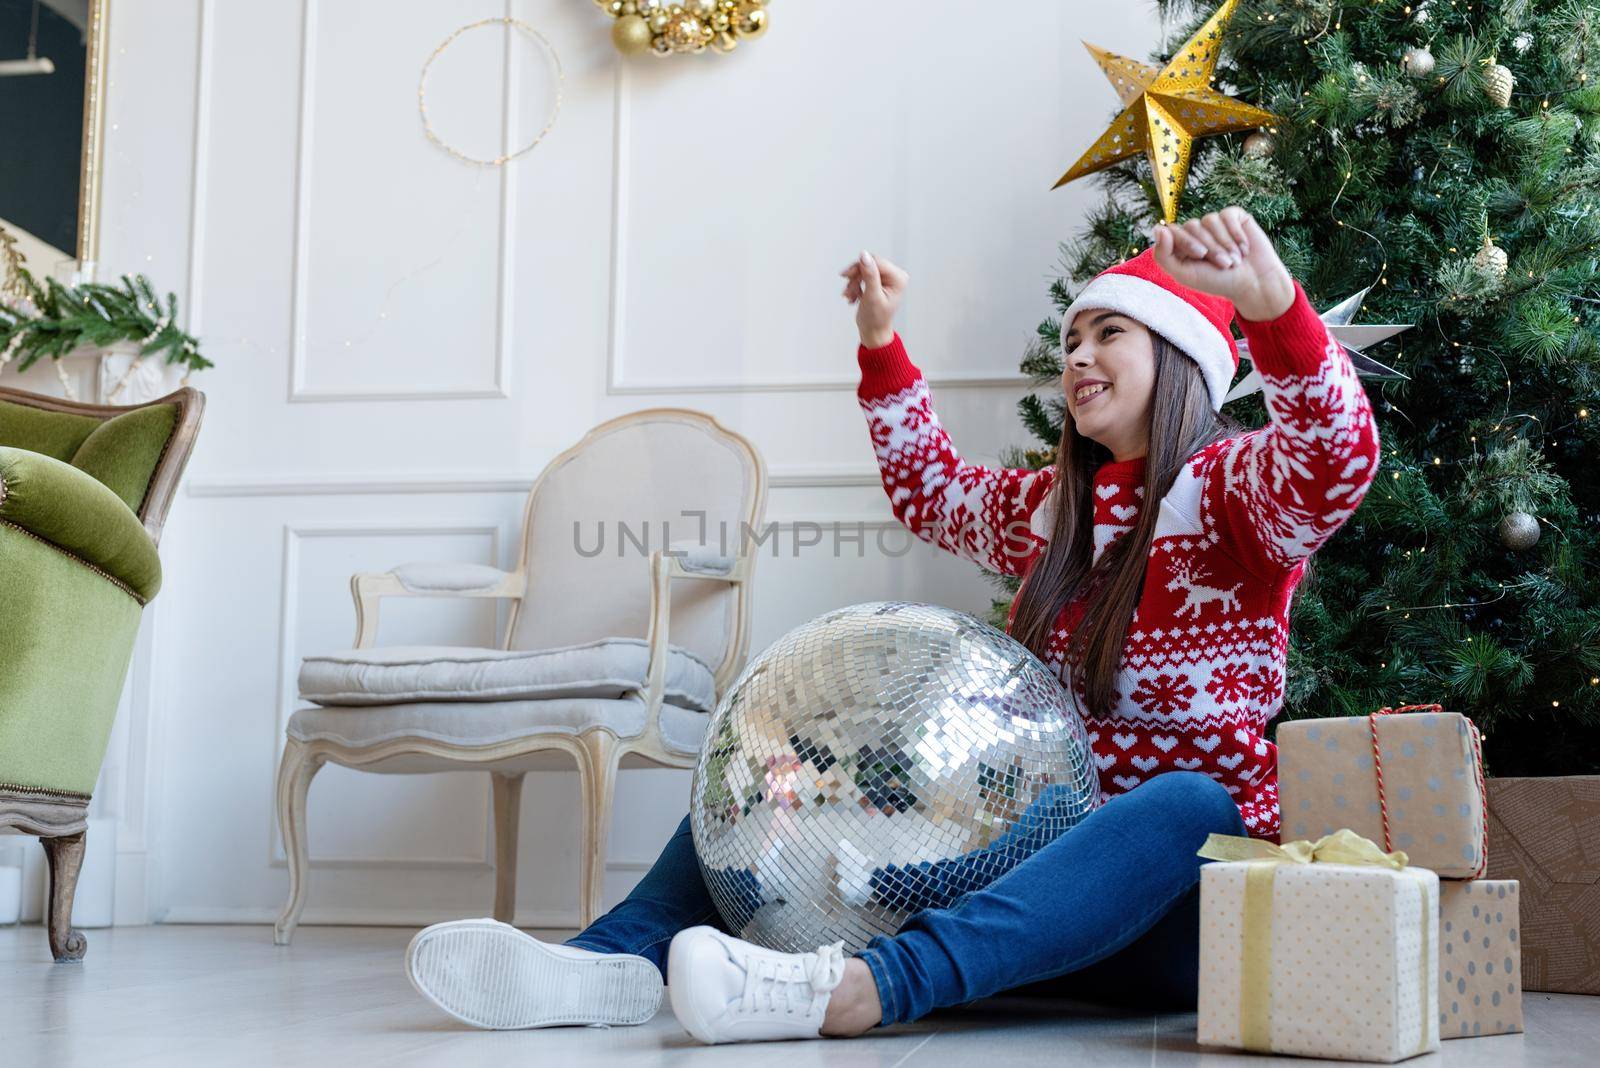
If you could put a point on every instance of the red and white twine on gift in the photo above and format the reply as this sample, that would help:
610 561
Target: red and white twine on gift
1383 801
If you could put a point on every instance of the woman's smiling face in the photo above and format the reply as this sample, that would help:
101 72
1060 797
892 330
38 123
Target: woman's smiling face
1109 380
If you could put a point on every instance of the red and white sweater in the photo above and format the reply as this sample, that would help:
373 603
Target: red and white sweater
1202 670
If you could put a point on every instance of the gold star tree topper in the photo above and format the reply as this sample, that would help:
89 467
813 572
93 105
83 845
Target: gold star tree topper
1164 110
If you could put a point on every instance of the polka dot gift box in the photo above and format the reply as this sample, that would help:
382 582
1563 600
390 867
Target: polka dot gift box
1319 958
1480 958
1411 782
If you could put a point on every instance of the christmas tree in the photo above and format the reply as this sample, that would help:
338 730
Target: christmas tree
1447 155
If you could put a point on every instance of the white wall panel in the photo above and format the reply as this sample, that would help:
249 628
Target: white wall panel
357 817
934 149
419 309
675 240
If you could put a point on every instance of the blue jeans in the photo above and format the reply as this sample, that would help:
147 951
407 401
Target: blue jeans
1107 911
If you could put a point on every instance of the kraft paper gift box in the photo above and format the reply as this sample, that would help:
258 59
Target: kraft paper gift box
1545 833
1431 770
1318 959
1480 958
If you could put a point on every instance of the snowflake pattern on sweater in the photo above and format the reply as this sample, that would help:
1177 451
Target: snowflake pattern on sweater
1202 671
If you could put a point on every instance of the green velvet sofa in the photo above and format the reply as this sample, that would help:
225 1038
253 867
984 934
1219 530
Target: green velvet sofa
84 490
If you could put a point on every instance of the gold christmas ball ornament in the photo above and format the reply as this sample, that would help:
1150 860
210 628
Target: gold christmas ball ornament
1417 62
1491 261
1519 531
664 27
1260 145
686 33
1497 85
631 34
750 21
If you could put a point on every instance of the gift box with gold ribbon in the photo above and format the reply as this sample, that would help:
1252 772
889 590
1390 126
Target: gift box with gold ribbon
1412 782
1318 949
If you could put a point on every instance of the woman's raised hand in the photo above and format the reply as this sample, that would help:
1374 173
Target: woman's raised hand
876 287
1227 254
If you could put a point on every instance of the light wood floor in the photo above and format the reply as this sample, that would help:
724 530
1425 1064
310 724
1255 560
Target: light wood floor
179 995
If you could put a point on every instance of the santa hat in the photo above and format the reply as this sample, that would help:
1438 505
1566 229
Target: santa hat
1197 323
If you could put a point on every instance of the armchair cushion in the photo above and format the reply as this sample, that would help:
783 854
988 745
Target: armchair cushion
469 724
57 503
53 433
123 451
610 668
430 577
701 558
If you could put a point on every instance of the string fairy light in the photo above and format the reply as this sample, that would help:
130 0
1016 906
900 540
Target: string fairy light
555 108
1504 592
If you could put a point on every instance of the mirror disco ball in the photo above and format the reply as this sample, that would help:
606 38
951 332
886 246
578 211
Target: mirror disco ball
882 759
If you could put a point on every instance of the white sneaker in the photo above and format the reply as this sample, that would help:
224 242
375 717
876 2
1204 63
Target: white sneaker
489 974
724 989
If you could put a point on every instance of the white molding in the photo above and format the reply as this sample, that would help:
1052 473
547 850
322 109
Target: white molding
620 115
281 862
136 801
825 476
621 175
331 396
298 392
131 900
342 485
798 477
355 917
287 695
344 916
870 522
200 168
946 380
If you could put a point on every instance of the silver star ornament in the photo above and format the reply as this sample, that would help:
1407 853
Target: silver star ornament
1352 337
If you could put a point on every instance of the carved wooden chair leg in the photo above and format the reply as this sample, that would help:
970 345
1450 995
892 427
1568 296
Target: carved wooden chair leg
507 810
295 772
602 752
65 856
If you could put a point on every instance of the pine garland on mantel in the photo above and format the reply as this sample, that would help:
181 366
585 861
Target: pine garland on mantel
51 320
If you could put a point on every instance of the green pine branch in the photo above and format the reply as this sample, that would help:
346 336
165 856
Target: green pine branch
49 320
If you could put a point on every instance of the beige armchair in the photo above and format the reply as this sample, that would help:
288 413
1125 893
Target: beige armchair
668 496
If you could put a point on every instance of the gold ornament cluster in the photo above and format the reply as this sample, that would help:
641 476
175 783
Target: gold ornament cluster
665 28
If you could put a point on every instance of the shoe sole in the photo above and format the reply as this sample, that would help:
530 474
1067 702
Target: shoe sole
498 978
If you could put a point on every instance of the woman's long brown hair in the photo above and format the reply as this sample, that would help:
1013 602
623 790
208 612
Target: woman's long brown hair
1181 424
